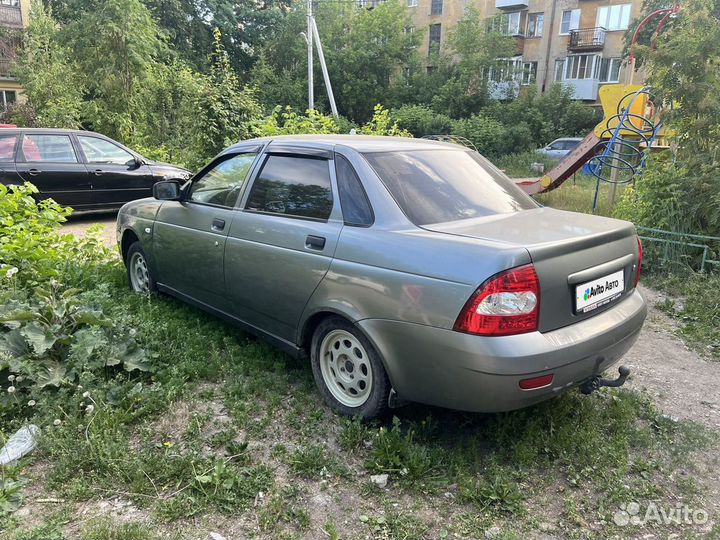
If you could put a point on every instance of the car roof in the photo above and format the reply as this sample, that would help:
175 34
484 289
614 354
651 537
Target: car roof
360 143
50 130
573 139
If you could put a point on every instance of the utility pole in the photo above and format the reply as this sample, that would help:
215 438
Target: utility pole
314 35
326 76
309 39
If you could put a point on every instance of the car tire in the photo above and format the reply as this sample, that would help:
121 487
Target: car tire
140 278
348 370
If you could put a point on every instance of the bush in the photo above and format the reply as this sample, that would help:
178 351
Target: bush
31 249
51 335
680 197
288 122
52 338
421 120
492 138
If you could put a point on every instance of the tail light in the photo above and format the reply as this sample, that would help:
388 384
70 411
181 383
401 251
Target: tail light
506 304
639 264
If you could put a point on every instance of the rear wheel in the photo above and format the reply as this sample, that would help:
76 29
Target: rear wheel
348 370
140 277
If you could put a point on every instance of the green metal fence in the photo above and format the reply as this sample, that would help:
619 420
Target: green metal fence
707 246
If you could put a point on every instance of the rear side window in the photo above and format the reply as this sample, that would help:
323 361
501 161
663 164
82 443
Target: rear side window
292 186
7 147
436 186
353 199
49 148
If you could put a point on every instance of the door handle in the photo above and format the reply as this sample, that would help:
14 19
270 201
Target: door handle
315 242
34 172
218 224
98 172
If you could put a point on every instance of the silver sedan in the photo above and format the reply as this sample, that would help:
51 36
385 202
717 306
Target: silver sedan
405 270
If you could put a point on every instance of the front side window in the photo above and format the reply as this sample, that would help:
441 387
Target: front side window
7 147
570 20
293 186
48 148
222 184
102 151
535 25
614 17
437 186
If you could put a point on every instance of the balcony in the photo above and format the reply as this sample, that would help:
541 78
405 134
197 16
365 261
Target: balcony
511 4
10 16
587 39
583 89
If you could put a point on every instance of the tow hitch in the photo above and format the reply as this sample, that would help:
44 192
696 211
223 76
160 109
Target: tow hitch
597 382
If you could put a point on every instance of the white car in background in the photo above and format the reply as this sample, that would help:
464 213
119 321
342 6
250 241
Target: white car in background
559 148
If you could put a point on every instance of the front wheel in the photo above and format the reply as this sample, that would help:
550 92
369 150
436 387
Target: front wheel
348 370
140 277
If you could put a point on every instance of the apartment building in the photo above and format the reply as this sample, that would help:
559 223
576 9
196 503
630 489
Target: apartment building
576 42
13 18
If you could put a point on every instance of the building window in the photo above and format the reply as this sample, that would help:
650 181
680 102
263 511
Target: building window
610 70
529 73
13 3
580 66
570 21
8 98
559 68
535 25
434 38
436 7
409 29
614 17
369 4
412 3
507 69
430 70
509 24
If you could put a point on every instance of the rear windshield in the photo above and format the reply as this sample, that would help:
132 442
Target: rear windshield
436 186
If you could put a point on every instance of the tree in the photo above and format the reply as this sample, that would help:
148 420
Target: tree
476 48
373 43
117 46
49 75
682 191
227 108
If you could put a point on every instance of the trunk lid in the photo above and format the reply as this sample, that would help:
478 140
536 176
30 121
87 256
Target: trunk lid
568 250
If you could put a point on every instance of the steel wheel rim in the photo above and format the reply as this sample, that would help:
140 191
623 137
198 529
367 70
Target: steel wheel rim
139 273
346 369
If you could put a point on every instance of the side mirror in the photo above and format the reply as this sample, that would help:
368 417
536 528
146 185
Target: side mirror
138 162
167 190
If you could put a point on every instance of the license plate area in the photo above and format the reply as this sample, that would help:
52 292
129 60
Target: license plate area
599 292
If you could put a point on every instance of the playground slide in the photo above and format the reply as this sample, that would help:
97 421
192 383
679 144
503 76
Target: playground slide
568 166
615 145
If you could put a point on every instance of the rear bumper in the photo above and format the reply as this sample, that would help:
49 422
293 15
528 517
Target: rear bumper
449 369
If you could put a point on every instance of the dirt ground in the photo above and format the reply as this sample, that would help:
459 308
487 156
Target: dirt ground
79 224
